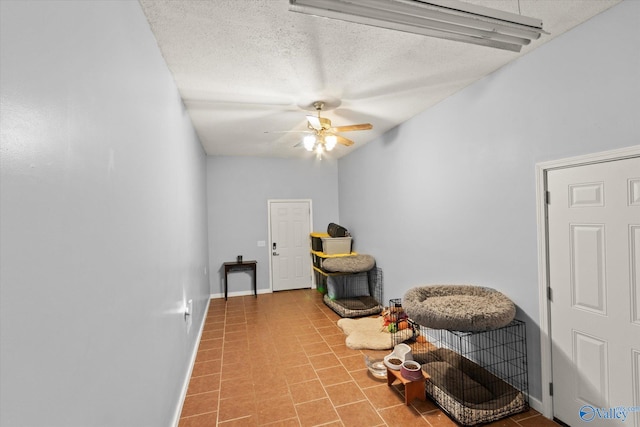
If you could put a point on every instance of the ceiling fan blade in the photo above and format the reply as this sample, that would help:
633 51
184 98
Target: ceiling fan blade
314 122
347 128
344 141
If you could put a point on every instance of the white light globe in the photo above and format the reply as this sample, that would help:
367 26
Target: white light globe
309 141
330 142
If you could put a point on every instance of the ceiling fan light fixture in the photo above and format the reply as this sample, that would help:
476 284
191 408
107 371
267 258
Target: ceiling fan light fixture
446 19
309 142
323 135
330 142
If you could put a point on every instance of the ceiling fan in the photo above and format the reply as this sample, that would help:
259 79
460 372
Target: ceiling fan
324 136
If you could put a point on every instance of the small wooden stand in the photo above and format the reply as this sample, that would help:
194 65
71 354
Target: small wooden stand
242 265
412 389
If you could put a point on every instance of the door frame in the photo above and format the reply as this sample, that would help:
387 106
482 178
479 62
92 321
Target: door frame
543 255
269 244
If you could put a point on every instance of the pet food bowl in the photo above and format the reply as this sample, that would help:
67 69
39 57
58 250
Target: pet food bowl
411 370
393 362
401 352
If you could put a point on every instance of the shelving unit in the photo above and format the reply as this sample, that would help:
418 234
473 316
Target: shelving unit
318 257
352 294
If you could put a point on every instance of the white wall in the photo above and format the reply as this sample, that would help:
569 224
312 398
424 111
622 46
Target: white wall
451 193
238 189
103 219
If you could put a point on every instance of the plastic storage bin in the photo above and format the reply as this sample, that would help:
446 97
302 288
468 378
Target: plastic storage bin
317 259
336 245
316 241
321 280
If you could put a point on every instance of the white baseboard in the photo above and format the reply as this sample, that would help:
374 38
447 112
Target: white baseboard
185 383
240 293
536 404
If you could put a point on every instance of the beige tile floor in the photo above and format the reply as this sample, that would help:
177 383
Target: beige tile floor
280 360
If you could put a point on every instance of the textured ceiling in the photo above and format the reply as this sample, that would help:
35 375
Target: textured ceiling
246 67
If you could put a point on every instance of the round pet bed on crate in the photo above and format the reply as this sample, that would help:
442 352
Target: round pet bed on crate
349 264
458 307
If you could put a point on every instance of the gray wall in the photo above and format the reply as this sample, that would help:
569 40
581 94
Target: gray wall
238 189
451 193
103 219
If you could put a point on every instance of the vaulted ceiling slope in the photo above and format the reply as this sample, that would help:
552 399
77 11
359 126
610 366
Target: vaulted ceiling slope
248 69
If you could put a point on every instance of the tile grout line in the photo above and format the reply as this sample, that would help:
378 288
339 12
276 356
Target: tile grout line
352 379
224 341
324 388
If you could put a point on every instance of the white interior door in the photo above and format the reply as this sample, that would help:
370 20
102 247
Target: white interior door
594 275
290 228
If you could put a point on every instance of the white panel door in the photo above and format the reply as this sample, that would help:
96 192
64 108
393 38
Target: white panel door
594 275
290 262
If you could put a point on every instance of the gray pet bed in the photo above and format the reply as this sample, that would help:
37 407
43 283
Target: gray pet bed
349 264
470 394
458 307
354 307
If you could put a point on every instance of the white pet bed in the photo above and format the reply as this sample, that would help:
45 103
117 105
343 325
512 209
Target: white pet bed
369 333
458 307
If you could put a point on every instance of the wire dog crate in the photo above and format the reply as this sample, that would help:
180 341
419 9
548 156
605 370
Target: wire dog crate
476 377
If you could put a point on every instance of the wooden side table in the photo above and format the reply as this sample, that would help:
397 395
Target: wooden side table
412 389
245 265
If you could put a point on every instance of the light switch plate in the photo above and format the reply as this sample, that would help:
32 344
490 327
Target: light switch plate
262 243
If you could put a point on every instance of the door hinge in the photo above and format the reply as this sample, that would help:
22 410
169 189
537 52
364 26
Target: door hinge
547 197
550 389
549 293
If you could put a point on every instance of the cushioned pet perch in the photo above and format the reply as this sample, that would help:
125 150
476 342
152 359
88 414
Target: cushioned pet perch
349 264
458 307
